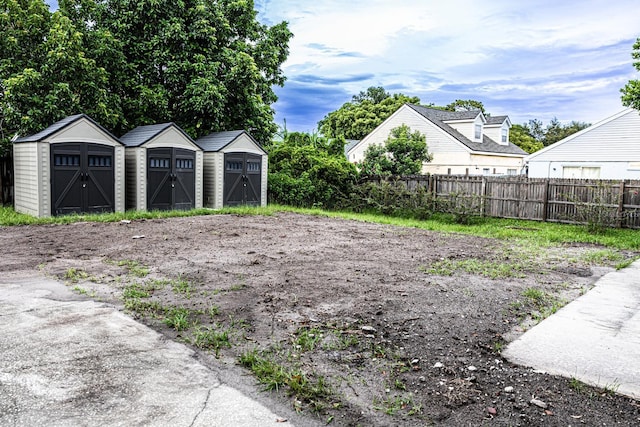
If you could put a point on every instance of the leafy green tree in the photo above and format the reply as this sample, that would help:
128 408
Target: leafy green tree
403 153
465 105
309 170
207 65
45 73
519 136
556 131
357 118
631 91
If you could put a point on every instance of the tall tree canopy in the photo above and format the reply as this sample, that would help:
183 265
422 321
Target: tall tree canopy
631 91
207 65
357 118
553 132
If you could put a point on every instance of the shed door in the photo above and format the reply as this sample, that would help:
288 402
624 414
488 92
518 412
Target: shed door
243 179
82 178
171 180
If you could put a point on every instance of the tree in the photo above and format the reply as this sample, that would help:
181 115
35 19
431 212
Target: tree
309 170
631 91
556 131
465 105
519 136
403 153
46 74
357 118
207 65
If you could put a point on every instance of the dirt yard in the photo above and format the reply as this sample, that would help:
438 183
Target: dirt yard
343 322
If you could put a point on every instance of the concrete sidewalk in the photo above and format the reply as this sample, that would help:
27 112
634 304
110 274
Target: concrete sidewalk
65 361
595 339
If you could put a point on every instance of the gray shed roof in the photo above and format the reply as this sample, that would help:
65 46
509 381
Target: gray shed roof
488 145
216 141
58 126
143 134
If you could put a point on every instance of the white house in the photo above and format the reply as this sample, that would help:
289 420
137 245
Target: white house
461 142
609 149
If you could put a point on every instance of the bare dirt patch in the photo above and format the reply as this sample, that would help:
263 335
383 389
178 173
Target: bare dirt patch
360 324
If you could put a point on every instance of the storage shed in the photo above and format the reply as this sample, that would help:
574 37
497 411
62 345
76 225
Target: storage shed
73 166
164 168
235 170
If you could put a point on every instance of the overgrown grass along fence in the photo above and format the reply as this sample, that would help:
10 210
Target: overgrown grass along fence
592 202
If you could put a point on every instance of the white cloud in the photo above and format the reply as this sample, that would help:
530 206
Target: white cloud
556 56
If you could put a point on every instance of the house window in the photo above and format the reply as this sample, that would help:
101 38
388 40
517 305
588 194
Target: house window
581 172
478 132
504 135
485 171
512 171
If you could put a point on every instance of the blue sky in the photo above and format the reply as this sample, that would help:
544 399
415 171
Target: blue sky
526 59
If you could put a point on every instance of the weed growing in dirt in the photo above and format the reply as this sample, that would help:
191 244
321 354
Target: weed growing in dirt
306 339
134 290
490 269
211 338
392 405
544 304
178 318
74 275
182 286
133 267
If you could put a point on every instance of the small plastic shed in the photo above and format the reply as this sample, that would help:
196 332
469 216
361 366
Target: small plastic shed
73 166
164 168
235 170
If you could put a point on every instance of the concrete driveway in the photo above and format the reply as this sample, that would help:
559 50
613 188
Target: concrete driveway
595 338
67 361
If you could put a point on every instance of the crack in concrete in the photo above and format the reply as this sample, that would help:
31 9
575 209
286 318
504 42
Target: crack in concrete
204 406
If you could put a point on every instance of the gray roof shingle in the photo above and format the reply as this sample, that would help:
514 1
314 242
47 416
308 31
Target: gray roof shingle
488 145
216 141
58 126
143 134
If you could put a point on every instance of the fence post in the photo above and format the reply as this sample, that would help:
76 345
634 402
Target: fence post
483 195
545 202
620 205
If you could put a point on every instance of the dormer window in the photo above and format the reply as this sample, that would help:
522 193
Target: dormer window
478 132
504 135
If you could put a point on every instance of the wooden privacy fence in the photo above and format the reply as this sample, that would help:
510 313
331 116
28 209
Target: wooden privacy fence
616 203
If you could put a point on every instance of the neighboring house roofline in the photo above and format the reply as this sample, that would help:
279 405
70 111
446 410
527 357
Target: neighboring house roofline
581 132
487 146
61 125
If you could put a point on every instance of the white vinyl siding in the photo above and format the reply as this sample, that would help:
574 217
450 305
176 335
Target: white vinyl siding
581 172
617 139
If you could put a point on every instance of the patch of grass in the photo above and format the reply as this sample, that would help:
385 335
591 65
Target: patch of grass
134 267
134 290
211 338
393 405
178 318
306 339
74 275
577 385
182 286
213 311
544 303
143 307
315 391
486 268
